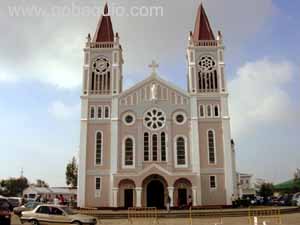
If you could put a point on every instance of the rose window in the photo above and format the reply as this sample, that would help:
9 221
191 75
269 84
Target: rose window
101 65
207 63
154 119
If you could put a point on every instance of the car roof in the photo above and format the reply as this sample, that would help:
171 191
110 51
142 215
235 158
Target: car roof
53 205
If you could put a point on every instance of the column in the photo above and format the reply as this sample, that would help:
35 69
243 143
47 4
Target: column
115 197
138 191
194 189
171 195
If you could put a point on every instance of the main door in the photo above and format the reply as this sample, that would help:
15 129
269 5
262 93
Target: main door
182 197
155 194
128 198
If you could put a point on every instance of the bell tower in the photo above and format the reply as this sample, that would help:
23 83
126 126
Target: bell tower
103 60
205 58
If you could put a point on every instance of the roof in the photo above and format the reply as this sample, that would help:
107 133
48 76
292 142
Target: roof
287 185
104 31
51 190
202 29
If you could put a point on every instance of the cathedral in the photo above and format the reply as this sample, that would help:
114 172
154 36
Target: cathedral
154 142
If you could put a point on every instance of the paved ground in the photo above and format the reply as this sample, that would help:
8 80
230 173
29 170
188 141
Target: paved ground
290 219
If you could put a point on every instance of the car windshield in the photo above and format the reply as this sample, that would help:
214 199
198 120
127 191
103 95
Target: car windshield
69 211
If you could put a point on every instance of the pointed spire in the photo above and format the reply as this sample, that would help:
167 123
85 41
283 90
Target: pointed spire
203 29
104 32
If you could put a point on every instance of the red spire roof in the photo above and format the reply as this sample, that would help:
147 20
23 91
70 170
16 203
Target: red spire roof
202 30
104 32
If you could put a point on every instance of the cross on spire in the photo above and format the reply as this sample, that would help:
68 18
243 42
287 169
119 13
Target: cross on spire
153 66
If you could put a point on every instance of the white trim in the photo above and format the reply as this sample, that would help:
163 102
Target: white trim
216 183
180 113
95 147
129 114
133 152
157 145
97 191
185 151
215 146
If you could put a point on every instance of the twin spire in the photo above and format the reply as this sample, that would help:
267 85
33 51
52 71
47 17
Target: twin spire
202 31
104 31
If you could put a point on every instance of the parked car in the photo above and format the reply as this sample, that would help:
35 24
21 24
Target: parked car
56 214
295 198
5 214
27 207
14 201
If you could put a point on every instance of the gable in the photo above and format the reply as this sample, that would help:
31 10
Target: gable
164 91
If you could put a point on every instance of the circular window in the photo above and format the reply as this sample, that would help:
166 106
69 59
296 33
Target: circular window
207 63
154 119
101 65
179 118
129 119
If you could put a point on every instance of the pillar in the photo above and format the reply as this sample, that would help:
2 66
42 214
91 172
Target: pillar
171 195
194 196
138 191
115 197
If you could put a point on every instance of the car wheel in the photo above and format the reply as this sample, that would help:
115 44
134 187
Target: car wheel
34 222
76 223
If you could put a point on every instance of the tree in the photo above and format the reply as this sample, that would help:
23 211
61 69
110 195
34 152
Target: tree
266 190
13 186
72 173
40 183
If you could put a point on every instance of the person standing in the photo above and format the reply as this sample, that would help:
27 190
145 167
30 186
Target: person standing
168 203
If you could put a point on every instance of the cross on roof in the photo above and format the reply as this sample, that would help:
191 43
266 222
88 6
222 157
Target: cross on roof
153 66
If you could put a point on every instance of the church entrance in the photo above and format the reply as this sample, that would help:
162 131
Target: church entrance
155 194
182 197
128 198
154 191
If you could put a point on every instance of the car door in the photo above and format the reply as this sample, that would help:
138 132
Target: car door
57 216
42 215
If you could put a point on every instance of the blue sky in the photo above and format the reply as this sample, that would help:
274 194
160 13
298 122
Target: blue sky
40 75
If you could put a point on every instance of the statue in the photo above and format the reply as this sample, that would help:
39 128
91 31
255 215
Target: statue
154 92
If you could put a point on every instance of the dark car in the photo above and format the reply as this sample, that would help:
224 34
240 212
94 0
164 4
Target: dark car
27 207
5 215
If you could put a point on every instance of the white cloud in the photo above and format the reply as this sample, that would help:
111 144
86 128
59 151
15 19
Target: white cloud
61 111
49 49
259 97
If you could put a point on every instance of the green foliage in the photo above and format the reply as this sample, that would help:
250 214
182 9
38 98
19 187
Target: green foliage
72 173
40 183
266 190
13 186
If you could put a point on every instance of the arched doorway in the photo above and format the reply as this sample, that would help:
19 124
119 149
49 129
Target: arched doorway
127 193
183 192
155 191
155 194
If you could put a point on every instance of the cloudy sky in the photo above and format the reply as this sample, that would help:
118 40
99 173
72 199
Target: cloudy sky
41 68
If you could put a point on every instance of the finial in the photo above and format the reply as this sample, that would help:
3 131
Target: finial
153 66
106 9
89 37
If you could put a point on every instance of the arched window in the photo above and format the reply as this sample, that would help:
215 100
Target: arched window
216 111
181 152
154 147
163 147
106 112
201 111
92 112
146 146
211 147
209 113
99 112
129 152
99 147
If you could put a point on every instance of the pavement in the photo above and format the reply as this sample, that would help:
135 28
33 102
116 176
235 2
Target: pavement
287 219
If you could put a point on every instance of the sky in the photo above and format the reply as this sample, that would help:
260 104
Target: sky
41 72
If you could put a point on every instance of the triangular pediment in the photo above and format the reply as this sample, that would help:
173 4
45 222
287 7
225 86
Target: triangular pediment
154 88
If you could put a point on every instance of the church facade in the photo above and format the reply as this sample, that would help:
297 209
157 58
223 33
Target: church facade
155 142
